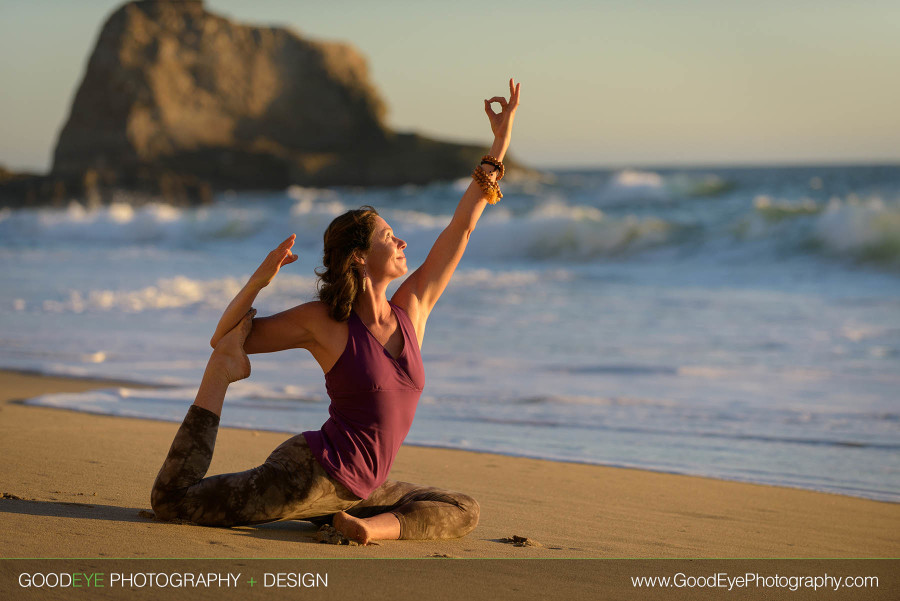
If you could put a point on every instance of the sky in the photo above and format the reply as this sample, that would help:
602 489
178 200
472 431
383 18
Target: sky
605 83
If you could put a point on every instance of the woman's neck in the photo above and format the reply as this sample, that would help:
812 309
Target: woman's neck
372 305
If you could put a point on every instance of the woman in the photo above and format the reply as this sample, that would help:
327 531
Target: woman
368 348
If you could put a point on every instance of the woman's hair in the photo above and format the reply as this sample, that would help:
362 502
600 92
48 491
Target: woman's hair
339 278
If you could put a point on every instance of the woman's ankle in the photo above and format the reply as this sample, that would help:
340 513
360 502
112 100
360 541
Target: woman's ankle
211 394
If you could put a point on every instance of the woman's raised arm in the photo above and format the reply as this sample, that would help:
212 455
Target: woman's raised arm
423 287
241 303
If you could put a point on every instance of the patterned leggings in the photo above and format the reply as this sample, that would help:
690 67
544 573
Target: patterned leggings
291 485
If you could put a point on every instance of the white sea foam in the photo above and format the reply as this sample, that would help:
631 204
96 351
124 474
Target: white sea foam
559 231
631 178
123 223
173 293
491 279
865 228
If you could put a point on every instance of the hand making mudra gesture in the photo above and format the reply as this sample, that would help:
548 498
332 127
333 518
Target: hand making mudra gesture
501 125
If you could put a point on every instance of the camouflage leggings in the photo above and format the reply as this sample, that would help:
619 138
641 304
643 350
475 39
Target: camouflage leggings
291 485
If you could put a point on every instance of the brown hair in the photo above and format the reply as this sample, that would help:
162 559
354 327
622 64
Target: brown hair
339 279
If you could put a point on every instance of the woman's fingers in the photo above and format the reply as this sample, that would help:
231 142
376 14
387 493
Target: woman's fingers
287 257
498 99
288 242
284 249
514 92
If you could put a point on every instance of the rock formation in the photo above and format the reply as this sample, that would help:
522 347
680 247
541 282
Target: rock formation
179 102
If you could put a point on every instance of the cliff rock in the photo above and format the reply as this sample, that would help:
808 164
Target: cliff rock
179 102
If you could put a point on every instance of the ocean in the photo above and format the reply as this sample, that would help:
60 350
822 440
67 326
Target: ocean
737 323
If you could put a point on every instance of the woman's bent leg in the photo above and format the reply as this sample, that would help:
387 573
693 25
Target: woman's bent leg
289 485
424 512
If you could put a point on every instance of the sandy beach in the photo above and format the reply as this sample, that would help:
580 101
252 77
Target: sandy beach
81 481
75 486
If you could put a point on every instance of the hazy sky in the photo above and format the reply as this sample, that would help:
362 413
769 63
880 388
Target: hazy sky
604 82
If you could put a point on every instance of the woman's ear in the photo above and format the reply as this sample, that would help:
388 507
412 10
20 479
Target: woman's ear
359 259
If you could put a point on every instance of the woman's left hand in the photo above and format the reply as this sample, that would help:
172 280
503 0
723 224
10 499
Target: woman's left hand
501 124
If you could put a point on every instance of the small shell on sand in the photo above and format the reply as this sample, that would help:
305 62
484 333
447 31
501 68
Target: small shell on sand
521 541
328 535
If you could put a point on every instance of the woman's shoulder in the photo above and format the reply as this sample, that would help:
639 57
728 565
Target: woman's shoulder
315 307
327 333
315 317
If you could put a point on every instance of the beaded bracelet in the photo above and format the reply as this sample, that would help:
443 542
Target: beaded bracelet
496 163
490 188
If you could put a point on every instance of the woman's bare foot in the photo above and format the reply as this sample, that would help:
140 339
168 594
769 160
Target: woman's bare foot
229 358
351 527
379 527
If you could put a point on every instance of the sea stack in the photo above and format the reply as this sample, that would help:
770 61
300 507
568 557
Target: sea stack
177 102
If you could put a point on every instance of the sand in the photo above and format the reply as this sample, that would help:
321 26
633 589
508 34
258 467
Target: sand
77 485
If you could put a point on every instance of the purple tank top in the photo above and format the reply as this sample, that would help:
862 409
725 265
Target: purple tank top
373 401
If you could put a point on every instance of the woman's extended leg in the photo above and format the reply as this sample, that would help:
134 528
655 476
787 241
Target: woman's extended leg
409 511
289 485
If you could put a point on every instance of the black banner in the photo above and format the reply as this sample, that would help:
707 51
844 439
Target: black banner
440 578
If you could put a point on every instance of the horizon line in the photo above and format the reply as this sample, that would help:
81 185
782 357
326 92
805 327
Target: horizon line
608 166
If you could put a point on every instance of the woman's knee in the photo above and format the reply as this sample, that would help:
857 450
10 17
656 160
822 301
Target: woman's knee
162 503
471 511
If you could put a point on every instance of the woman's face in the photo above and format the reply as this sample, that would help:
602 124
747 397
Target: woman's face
385 258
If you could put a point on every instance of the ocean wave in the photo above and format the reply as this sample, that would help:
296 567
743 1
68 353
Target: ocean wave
635 186
774 211
563 223
636 427
123 223
698 185
172 293
867 230
633 179
849 228
619 401
555 230
488 279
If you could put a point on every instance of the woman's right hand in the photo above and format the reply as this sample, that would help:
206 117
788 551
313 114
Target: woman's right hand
501 123
282 255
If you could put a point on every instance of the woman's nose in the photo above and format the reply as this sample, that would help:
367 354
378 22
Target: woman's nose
402 243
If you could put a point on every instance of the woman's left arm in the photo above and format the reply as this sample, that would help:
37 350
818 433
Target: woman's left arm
421 290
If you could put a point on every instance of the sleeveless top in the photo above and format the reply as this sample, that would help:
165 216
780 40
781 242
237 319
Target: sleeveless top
373 401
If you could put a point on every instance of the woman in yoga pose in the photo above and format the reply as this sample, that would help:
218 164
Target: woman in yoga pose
368 348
